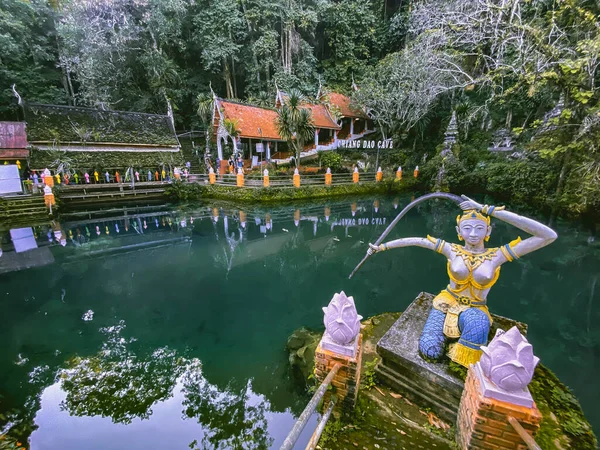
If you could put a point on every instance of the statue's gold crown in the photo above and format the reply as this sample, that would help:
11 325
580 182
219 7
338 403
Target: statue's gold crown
472 214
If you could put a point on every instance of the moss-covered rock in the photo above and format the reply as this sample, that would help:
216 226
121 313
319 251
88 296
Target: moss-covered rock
301 346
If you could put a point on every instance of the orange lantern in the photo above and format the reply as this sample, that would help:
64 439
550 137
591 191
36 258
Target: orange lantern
399 173
355 175
328 177
379 175
266 178
296 178
49 199
240 178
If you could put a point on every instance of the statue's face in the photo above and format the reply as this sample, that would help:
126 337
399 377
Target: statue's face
473 231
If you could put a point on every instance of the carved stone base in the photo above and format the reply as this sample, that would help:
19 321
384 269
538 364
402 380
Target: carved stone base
327 343
429 384
490 390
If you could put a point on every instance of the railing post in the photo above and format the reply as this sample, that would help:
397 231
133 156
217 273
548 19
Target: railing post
341 344
328 177
496 395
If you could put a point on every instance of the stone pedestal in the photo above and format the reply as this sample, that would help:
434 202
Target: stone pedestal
429 384
483 422
347 379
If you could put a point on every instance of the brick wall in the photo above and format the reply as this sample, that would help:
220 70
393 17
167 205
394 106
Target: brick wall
347 379
483 422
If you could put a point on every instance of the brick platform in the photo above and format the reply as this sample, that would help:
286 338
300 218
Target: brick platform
347 379
483 422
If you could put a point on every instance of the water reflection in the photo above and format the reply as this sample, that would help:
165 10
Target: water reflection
166 327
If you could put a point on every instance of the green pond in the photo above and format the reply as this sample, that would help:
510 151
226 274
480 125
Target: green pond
167 328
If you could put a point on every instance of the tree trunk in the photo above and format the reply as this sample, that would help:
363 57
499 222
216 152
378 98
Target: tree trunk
560 186
235 91
227 77
250 33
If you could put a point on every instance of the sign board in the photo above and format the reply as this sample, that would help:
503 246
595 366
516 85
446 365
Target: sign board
365 144
260 148
10 180
254 161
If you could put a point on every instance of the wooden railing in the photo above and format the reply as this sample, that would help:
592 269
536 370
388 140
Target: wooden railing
285 181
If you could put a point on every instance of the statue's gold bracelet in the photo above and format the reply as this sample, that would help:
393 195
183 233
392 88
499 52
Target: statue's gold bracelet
383 247
489 210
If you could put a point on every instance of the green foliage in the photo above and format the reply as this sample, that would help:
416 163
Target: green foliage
369 376
330 160
551 396
193 191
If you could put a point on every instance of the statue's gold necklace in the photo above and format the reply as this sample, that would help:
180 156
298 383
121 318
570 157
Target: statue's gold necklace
473 260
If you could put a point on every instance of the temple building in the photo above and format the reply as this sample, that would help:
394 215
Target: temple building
93 138
253 129
13 142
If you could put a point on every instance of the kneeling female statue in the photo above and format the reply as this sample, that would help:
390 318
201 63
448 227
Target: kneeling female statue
460 311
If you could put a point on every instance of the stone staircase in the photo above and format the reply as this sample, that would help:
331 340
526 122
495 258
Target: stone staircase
189 154
21 209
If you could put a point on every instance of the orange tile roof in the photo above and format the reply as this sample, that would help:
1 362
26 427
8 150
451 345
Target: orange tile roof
250 118
321 117
343 103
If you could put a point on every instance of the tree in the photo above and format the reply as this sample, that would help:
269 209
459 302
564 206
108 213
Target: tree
27 54
295 124
220 32
206 106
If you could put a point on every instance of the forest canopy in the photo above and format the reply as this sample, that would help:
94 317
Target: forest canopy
527 68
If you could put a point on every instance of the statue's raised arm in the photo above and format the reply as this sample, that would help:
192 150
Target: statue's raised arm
460 311
541 235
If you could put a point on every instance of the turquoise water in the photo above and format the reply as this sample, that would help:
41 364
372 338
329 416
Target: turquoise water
171 332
